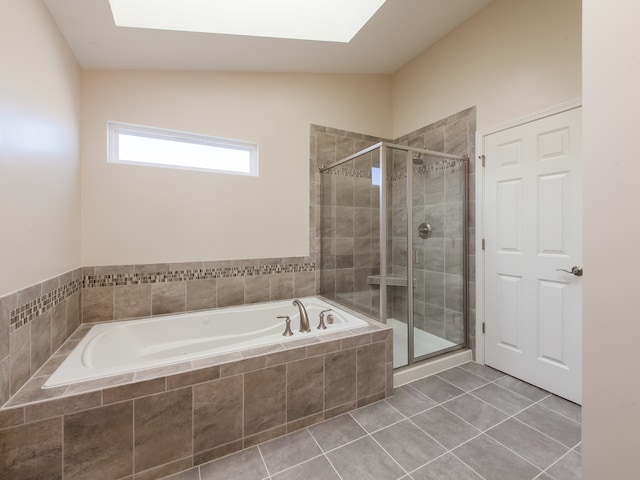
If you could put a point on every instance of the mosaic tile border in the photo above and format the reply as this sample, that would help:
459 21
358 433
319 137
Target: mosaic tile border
424 169
417 170
121 279
346 172
33 309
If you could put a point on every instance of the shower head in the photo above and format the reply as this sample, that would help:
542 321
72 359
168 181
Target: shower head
417 159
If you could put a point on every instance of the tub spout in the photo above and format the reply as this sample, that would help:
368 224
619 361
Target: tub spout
304 318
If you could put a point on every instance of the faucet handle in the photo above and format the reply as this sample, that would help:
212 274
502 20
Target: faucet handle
321 325
287 330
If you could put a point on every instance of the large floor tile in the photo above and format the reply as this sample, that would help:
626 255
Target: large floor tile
376 416
244 465
478 413
317 469
462 379
522 388
290 450
501 398
552 424
445 427
494 462
336 432
563 407
436 389
483 371
408 445
568 468
528 443
364 460
447 467
409 401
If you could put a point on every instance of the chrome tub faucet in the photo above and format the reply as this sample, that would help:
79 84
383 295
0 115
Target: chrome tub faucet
304 318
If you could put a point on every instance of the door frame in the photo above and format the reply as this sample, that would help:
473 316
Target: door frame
479 212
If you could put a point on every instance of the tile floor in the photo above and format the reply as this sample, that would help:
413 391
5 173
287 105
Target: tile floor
466 423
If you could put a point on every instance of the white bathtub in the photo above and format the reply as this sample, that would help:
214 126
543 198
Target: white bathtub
132 345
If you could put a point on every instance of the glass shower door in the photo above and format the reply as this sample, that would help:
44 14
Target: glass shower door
397 266
438 223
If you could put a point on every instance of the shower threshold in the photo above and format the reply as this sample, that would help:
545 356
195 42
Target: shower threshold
424 342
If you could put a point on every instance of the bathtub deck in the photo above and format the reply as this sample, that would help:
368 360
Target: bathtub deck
238 361
211 407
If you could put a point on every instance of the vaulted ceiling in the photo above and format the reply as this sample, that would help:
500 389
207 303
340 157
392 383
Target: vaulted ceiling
398 32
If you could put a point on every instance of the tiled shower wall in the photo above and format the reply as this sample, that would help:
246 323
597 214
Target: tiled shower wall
34 322
349 218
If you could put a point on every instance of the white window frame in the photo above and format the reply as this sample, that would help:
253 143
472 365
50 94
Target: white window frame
115 129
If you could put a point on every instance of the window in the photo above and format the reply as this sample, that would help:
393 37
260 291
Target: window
157 147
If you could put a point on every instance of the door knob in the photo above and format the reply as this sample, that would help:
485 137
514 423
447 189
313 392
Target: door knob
575 270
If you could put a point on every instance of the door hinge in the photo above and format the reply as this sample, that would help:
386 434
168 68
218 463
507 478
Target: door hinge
482 327
483 244
483 158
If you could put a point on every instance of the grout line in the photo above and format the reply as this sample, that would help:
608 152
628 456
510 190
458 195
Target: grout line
405 416
266 467
442 445
545 471
465 464
558 413
133 436
62 450
478 375
545 434
507 447
370 435
193 419
484 432
324 454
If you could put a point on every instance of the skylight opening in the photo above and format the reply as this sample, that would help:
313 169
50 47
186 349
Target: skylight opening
138 145
319 20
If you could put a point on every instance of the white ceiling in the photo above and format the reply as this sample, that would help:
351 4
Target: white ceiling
398 32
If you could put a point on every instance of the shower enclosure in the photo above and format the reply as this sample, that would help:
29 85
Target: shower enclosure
393 244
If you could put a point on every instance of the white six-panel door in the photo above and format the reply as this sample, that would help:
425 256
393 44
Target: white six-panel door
532 228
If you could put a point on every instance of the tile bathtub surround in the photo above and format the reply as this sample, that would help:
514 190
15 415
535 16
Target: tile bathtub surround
136 291
156 423
34 323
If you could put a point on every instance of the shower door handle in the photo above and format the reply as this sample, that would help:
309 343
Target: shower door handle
575 270
425 230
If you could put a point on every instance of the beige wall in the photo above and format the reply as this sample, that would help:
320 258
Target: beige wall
133 214
39 167
511 59
611 384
